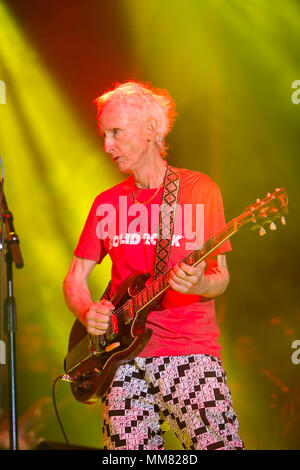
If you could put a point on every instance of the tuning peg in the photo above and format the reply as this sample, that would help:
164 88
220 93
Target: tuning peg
268 194
262 232
257 200
272 226
283 221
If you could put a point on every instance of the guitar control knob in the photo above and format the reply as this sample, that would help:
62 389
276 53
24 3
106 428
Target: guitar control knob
283 221
272 226
88 375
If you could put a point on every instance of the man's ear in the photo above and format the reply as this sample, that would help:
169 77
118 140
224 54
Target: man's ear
151 128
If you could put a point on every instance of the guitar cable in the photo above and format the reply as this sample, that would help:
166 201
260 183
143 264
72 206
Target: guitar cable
62 377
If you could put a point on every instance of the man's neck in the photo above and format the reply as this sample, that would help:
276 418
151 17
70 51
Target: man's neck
151 175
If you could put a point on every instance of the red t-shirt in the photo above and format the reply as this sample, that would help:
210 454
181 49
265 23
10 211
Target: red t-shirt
183 324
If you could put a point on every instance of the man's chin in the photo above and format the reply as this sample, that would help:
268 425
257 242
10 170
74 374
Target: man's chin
122 165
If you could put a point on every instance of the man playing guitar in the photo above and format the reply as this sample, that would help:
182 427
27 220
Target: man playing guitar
178 375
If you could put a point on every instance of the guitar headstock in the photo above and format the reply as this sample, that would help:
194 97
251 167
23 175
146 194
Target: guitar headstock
265 211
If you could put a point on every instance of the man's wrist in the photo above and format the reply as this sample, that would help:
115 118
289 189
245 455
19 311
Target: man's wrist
213 285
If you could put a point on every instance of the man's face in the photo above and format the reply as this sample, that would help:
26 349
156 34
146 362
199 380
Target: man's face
125 136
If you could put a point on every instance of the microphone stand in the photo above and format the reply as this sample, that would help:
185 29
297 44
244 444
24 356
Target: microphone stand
12 255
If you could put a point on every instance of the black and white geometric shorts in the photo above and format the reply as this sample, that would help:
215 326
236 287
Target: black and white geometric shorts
190 392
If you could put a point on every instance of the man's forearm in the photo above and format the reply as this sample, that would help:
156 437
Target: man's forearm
77 297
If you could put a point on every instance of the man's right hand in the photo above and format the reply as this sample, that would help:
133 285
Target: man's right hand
96 319
95 316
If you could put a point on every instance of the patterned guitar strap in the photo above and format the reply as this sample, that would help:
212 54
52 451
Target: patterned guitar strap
166 221
166 225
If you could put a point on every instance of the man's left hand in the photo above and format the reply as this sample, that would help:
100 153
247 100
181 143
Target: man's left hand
187 279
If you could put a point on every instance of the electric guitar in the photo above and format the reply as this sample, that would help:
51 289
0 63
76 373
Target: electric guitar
92 361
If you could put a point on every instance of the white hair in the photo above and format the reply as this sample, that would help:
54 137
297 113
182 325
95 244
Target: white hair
154 103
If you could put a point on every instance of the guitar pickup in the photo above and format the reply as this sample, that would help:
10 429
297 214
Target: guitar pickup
115 325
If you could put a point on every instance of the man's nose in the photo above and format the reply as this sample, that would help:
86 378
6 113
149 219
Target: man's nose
108 144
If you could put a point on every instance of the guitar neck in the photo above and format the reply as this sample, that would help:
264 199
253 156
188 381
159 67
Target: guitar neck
161 284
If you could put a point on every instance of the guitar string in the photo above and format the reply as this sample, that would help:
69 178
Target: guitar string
144 294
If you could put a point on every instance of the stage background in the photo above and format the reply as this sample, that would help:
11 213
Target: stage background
231 66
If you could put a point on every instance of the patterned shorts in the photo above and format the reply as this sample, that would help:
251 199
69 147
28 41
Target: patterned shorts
190 392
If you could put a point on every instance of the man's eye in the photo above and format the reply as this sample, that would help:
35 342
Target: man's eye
115 131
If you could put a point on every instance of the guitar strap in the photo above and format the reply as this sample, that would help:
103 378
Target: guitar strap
166 221
166 225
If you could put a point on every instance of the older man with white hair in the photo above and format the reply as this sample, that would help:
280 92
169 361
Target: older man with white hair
178 376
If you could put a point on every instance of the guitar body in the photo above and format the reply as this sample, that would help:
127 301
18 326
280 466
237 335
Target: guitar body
89 363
